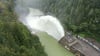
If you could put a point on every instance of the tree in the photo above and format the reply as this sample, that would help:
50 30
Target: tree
78 16
15 38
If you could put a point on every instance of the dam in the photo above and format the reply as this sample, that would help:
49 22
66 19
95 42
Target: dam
49 24
36 22
79 46
49 30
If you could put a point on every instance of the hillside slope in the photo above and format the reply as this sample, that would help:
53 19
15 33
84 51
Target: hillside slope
15 38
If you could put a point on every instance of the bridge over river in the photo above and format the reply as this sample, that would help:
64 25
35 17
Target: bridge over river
79 45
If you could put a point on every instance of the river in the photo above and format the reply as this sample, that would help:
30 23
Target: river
51 46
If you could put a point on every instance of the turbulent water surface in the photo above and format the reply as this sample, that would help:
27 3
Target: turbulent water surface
37 22
46 23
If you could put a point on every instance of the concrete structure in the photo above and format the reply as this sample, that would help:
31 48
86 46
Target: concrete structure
79 46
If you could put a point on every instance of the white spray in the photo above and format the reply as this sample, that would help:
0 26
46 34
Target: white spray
36 21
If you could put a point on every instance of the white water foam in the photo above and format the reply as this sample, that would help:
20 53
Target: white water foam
36 21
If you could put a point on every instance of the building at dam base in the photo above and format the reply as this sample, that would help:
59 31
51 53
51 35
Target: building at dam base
79 46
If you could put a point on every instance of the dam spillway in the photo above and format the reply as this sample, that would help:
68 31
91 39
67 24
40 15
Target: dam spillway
45 23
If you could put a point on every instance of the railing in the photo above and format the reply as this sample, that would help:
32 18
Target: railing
91 44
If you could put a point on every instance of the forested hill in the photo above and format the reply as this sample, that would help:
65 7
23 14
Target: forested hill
15 38
82 17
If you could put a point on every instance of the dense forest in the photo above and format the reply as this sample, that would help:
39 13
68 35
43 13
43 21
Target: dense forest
81 17
15 38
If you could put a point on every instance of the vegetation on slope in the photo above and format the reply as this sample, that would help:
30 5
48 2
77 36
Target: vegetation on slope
15 38
78 16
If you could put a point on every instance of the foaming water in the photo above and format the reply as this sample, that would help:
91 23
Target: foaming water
49 24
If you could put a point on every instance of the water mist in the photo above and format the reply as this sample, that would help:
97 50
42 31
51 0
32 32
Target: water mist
35 19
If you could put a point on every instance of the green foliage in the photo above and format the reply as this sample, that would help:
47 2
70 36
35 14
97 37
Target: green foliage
15 38
78 16
6 11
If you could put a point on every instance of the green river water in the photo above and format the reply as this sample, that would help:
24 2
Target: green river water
52 47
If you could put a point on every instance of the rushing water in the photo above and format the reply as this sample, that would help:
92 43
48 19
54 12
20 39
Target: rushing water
35 19
48 24
37 22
